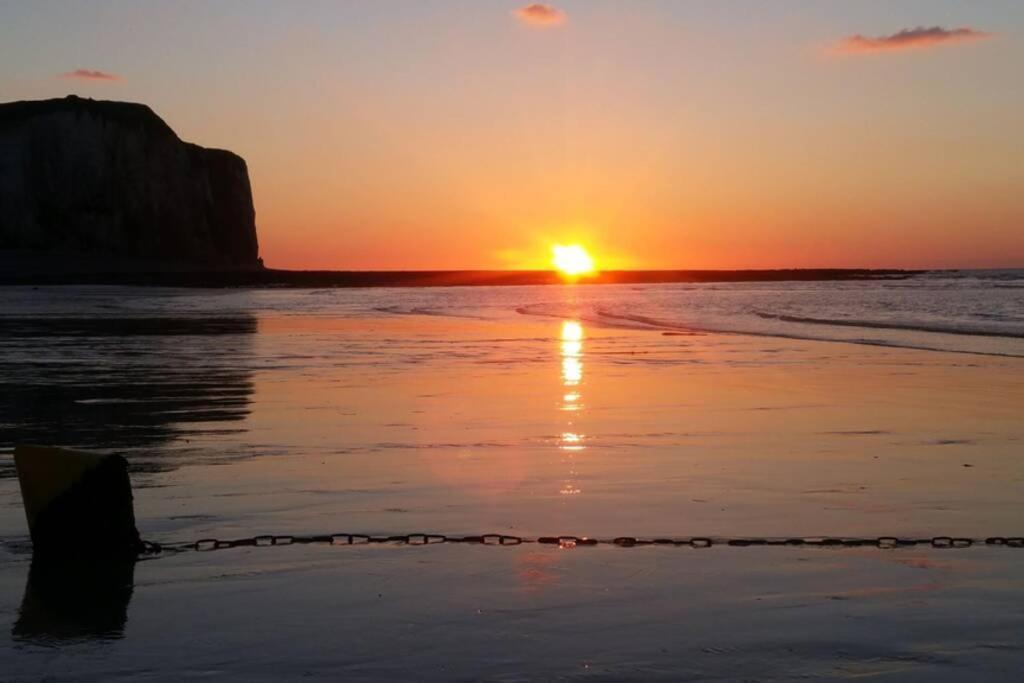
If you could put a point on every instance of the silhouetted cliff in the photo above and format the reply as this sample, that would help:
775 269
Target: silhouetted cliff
112 181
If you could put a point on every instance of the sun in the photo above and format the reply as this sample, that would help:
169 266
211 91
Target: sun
571 260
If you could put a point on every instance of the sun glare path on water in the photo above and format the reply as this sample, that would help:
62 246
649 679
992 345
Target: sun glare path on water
571 260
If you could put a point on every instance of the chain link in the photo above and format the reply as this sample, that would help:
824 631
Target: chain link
419 539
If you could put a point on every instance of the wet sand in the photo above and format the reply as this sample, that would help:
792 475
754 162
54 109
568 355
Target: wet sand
392 424
444 613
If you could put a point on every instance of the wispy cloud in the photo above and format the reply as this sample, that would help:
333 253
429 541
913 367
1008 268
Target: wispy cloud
90 75
919 38
539 14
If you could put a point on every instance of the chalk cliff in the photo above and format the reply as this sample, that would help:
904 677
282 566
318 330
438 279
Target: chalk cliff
112 181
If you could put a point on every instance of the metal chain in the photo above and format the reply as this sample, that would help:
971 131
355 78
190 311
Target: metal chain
880 542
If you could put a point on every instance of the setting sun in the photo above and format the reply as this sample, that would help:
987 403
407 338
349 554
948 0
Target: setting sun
572 260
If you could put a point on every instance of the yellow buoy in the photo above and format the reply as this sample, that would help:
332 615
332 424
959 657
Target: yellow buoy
76 502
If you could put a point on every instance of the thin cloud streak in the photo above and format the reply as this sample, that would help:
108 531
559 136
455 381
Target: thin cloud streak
539 14
90 75
920 38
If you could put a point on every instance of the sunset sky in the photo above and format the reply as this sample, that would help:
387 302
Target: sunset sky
474 134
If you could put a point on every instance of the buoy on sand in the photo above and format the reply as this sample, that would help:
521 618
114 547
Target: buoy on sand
77 503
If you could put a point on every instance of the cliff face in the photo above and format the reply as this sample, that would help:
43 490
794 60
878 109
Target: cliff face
112 180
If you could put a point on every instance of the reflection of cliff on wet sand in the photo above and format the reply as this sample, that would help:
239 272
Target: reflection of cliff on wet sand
122 383
75 600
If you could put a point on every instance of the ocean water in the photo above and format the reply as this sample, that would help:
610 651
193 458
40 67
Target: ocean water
793 409
968 311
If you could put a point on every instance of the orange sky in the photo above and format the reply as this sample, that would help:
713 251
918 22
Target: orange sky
659 134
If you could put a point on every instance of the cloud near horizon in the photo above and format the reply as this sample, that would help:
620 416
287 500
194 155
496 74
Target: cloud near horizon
919 38
90 75
539 14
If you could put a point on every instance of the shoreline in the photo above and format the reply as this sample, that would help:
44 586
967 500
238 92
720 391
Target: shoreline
270 277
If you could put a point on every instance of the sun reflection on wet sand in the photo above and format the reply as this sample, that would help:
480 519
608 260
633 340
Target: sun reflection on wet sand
570 402
536 571
570 442
571 346
572 349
